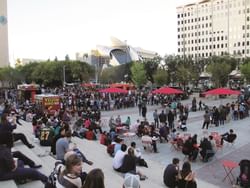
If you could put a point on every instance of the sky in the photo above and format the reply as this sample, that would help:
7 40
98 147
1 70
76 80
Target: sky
43 29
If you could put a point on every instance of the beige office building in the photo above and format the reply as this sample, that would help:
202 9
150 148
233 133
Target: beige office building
4 51
214 27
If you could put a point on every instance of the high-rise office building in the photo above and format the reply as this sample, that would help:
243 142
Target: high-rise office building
214 27
4 50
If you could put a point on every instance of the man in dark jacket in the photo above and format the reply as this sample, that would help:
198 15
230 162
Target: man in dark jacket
170 176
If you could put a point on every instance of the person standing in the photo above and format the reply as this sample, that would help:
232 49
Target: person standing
156 118
140 107
206 122
170 176
171 119
144 111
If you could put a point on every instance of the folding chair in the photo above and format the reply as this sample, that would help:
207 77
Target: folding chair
174 145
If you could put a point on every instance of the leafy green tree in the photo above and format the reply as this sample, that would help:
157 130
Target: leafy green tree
183 75
10 75
219 71
67 58
161 77
151 67
138 73
245 70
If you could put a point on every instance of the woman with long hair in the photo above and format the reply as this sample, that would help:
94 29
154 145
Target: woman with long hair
186 178
94 179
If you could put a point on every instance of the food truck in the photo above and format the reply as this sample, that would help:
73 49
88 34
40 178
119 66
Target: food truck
28 92
48 102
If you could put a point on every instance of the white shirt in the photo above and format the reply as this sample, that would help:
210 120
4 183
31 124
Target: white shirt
118 159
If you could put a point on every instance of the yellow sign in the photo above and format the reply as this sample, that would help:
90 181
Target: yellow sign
49 101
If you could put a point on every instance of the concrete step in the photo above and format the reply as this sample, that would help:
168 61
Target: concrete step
8 184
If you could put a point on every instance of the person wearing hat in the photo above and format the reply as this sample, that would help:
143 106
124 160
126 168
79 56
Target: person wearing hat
131 181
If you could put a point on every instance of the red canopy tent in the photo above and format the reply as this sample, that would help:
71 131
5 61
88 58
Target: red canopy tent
89 85
167 91
222 91
113 90
122 86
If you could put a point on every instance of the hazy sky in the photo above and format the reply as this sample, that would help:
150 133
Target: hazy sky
44 29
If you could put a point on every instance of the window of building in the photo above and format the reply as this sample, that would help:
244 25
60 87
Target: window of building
222 37
238 43
247 43
247 51
243 43
178 16
218 46
221 45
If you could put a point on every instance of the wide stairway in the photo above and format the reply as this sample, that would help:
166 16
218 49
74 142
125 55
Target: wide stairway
95 152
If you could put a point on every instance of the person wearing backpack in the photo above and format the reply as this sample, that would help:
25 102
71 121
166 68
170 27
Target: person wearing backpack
72 176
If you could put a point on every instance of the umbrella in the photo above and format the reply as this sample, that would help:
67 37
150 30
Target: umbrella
222 91
113 90
167 91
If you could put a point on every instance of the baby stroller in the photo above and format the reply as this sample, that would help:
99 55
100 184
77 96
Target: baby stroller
244 178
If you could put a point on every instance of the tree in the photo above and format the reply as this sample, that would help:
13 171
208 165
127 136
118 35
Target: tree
183 75
245 70
161 77
138 73
10 75
67 58
151 67
219 71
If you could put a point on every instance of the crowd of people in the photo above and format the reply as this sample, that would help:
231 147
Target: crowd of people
80 115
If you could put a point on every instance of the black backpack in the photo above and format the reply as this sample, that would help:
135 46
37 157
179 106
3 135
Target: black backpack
51 183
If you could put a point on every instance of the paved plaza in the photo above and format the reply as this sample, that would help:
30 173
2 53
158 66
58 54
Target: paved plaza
208 175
